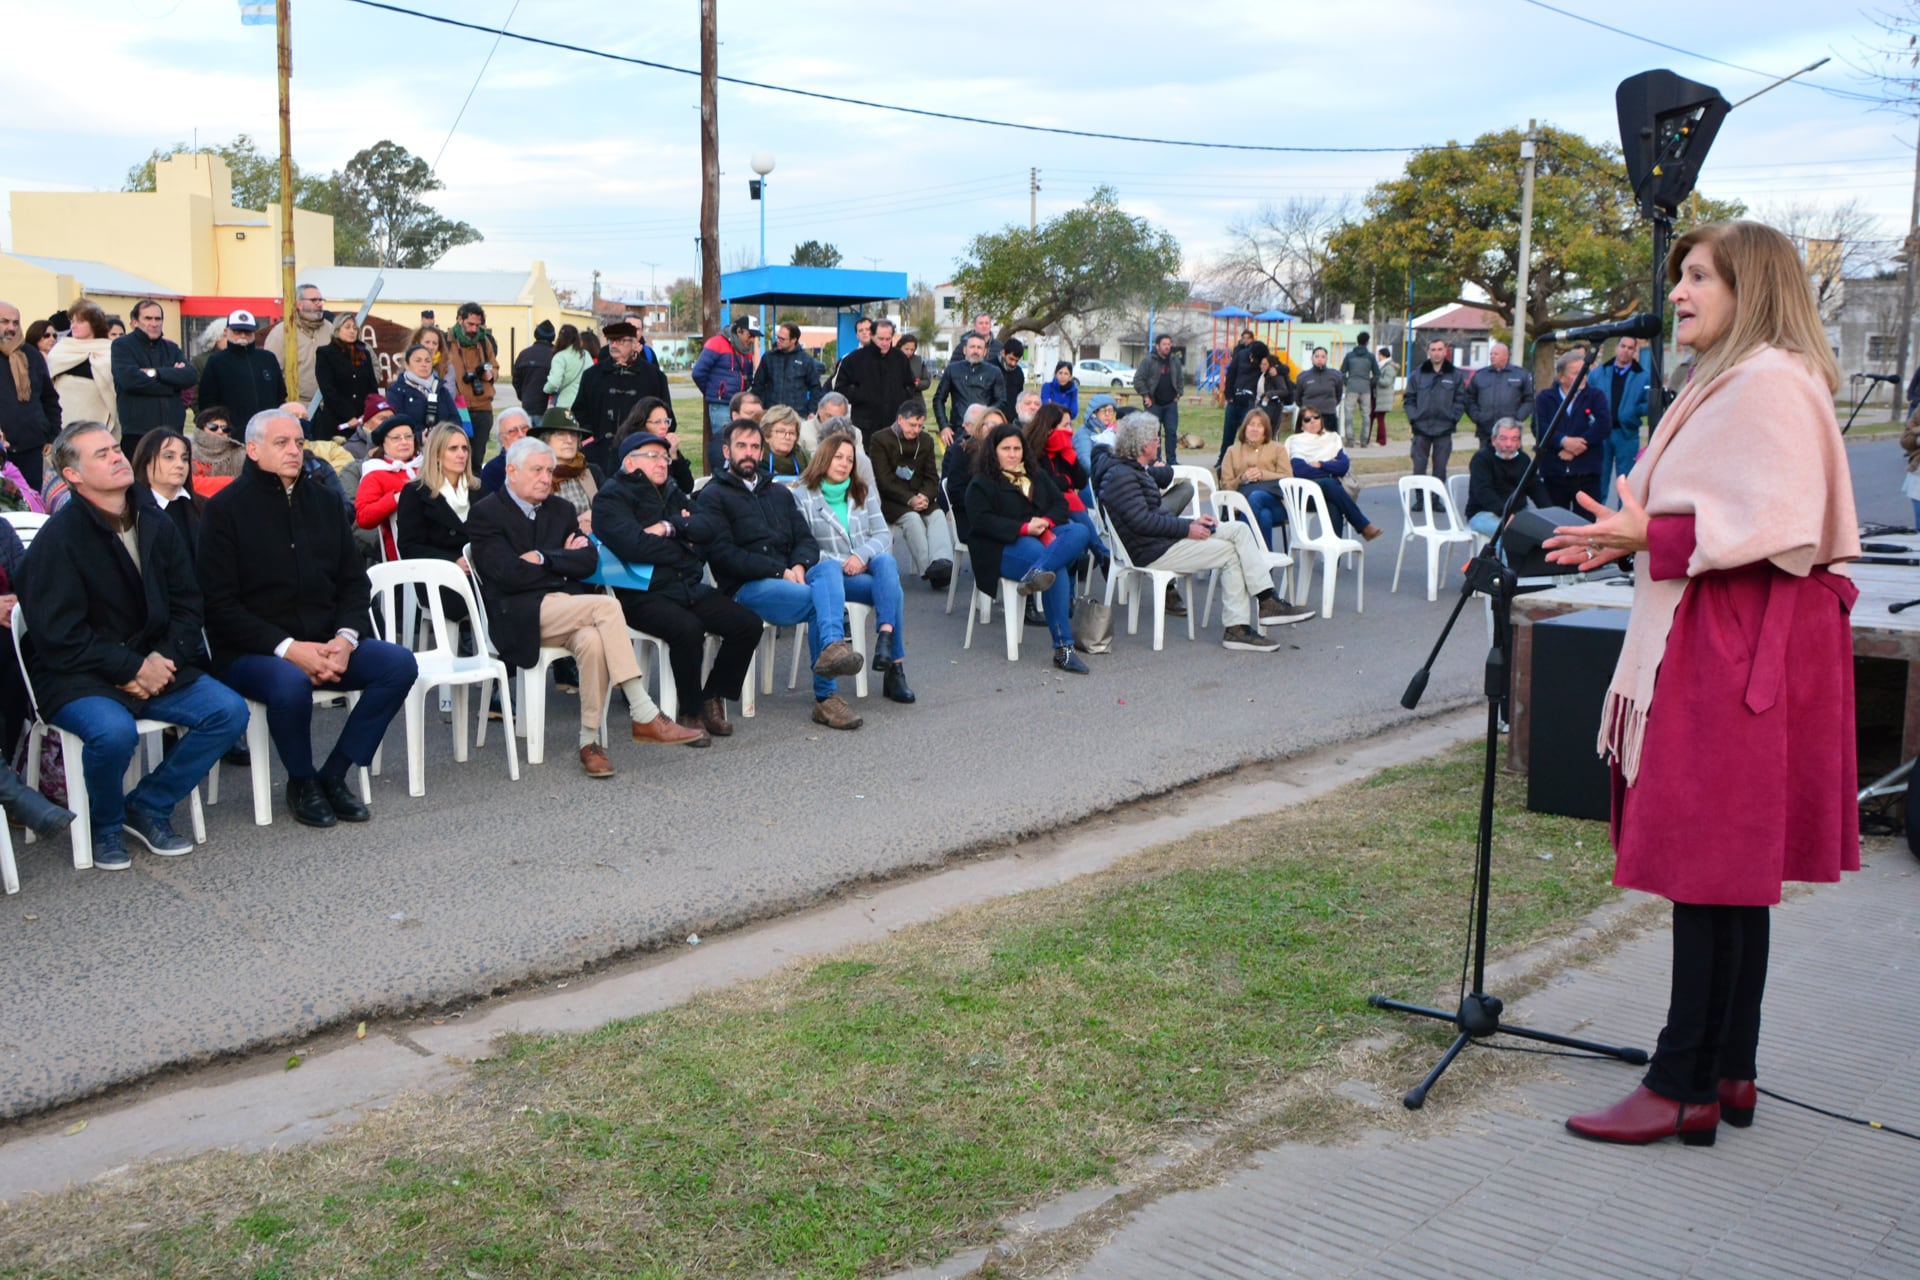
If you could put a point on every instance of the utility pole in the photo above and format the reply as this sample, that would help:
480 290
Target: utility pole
283 18
1526 246
1906 291
594 304
1033 201
709 168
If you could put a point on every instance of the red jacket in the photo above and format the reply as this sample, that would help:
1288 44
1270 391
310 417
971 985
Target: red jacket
378 498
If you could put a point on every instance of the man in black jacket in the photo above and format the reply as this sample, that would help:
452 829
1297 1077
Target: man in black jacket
531 561
530 369
609 390
149 373
114 635
764 556
965 383
875 379
787 374
1157 540
645 518
1237 386
287 616
29 406
243 377
1493 474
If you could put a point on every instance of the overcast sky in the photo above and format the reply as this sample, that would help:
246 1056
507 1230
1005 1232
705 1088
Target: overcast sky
591 164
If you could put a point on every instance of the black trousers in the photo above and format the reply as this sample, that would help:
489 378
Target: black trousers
1561 489
685 628
1713 1016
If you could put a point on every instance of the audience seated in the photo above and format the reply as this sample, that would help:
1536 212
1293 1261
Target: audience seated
218 453
907 476
1493 475
764 556
856 550
574 478
1253 467
1316 455
114 635
1049 437
653 414
787 458
162 471
645 517
1018 527
531 556
1155 539
508 425
286 596
431 516
392 465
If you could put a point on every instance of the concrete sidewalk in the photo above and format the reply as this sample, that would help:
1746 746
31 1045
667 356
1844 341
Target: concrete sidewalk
1506 1191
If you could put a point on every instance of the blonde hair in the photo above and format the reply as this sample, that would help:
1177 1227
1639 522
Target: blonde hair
777 414
1773 303
431 474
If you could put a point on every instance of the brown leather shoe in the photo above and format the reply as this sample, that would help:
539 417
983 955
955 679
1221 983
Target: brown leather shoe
1371 532
594 760
838 659
835 714
693 723
666 732
713 714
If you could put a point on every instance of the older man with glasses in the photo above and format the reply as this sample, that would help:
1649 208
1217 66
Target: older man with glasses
312 331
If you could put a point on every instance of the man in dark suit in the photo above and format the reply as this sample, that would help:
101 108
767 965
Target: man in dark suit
287 615
114 635
530 557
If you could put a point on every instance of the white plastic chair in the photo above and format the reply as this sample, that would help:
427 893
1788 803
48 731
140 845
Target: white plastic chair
1204 484
9 871
260 751
26 524
71 747
1426 525
1126 579
962 559
1230 505
533 680
860 623
441 665
1310 530
1013 613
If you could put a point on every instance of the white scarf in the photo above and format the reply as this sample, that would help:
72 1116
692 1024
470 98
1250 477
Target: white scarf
1308 446
459 497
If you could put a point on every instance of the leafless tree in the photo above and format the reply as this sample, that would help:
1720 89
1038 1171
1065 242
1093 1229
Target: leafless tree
1839 242
1279 255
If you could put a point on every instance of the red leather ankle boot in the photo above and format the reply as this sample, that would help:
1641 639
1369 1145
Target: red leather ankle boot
1737 1100
1644 1116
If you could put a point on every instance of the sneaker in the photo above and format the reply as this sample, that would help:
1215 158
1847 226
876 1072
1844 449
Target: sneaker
1284 614
109 854
834 713
838 659
156 833
1035 581
1246 638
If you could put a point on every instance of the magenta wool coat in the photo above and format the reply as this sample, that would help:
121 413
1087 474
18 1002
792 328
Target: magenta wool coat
1747 776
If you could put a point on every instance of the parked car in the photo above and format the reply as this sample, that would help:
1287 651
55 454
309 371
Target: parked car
1102 373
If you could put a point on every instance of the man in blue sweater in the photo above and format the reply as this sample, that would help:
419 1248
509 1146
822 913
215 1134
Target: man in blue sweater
1624 383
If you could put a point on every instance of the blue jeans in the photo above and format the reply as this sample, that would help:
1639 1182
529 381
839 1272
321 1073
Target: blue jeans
1340 503
382 673
1617 456
214 716
879 586
1169 415
1085 520
1268 512
788 604
1068 545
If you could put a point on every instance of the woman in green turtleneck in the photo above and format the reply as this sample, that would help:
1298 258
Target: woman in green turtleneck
844 517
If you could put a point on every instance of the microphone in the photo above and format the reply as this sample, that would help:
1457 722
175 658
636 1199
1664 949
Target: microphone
1880 377
1640 325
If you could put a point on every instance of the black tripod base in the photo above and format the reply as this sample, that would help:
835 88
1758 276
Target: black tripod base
1479 1017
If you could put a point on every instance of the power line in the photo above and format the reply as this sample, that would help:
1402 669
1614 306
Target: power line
1718 62
911 111
485 63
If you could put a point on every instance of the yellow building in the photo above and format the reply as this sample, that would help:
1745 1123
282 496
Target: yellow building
515 301
184 241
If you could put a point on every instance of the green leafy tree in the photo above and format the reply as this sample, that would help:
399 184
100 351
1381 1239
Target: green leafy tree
683 304
384 184
1089 260
812 253
1453 219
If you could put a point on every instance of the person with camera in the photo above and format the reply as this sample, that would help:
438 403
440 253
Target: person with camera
473 365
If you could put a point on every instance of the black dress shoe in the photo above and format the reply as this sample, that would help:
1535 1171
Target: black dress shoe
883 651
1069 661
939 574
1034 617
308 800
894 684
346 805
237 756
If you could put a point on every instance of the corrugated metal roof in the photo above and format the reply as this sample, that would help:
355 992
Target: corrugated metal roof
98 277
404 285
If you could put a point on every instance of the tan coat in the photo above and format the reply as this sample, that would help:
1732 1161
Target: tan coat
1271 458
307 343
81 399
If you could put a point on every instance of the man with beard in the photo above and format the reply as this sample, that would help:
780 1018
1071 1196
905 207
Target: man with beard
312 331
787 374
1493 474
610 388
964 384
241 376
875 379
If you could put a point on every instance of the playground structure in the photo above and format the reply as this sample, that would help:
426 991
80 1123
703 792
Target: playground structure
1287 336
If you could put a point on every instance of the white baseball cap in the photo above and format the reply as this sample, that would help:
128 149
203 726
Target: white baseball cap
242 319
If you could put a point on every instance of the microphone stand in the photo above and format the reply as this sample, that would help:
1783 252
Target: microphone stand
1872 382
1478 1015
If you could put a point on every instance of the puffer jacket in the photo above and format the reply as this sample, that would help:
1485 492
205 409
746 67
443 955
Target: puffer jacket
723 370
788 377
1131 499
865 533
749 534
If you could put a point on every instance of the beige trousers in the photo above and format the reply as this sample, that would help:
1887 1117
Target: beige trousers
594 631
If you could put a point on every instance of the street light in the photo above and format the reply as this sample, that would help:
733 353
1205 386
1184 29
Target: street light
763 165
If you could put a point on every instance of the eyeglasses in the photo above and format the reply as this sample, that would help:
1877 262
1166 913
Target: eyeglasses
652 455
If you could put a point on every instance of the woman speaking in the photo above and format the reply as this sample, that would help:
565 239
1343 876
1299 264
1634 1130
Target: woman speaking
1729 721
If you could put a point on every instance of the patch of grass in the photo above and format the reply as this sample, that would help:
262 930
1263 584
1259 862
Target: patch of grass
891 1104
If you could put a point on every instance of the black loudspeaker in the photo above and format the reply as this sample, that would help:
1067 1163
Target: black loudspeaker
1530 527
1573 661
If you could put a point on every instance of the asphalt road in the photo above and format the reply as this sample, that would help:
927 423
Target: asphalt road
263 935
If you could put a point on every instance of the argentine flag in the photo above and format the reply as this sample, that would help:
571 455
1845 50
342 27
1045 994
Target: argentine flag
256 13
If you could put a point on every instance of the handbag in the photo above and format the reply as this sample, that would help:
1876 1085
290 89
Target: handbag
1092 623
1269 487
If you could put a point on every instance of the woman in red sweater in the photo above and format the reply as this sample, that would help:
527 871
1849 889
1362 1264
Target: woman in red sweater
391 464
